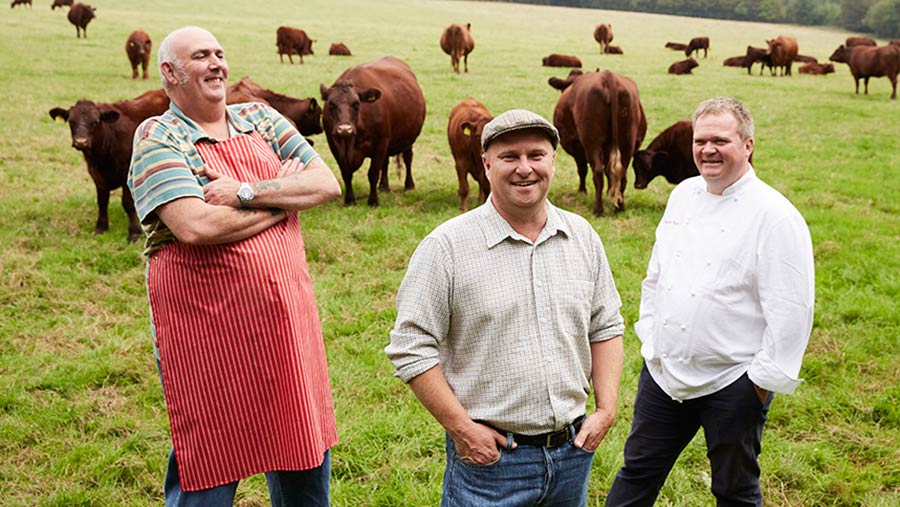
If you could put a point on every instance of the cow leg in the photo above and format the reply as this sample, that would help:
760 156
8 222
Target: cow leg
581 164
463 177
408 184
102 208
598 190
134 72
466 61
349 197
893 86
866 81
384 184
379 162
134 227
145 70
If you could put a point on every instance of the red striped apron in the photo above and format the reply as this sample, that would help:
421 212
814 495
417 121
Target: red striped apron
240 343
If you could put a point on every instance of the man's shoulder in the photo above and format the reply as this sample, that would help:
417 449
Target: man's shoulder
460 227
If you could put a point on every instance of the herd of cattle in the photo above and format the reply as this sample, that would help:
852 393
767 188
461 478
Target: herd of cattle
598 114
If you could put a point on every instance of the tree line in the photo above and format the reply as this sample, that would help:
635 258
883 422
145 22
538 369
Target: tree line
878 17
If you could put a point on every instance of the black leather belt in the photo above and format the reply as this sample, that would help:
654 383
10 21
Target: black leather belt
549 440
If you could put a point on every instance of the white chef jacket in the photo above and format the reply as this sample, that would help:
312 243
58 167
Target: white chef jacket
729 289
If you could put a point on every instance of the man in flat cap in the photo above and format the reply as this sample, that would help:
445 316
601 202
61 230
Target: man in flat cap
505 318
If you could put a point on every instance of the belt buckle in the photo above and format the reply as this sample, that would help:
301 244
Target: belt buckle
551 441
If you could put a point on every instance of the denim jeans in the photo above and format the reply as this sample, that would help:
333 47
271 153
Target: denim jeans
732 420
524 476
304 488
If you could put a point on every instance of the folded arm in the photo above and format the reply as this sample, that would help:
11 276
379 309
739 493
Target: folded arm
199 223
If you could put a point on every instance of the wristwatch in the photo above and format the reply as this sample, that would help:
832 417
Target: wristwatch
245 194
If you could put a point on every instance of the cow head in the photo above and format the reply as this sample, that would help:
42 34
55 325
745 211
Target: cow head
562 84
646 165
342 103
841 54
85 121
692 63
309 121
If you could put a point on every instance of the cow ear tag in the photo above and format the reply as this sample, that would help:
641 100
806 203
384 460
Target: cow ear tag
467 131
371 98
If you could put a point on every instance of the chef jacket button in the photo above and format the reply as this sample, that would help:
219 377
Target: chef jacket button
683 327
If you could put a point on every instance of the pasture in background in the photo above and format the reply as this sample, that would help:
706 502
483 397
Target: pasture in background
82 420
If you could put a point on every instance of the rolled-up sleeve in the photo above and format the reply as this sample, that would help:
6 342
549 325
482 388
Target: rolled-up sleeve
423 311
606 319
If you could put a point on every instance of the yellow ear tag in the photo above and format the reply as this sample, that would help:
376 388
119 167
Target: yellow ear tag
467 131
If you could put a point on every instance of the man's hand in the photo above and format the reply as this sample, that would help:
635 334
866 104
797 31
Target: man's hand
290 166
593 430
221 190
478 444
762 393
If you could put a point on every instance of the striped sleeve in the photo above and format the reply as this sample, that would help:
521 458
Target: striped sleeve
159 172
291 144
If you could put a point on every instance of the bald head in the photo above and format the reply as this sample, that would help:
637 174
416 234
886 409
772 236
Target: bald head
171 51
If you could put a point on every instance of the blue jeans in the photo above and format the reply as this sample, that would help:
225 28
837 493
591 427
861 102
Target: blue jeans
732 420
304 488
524 476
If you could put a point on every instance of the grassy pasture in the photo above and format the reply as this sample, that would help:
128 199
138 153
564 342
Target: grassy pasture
82 419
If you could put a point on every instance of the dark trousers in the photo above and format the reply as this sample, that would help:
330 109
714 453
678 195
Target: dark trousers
732 420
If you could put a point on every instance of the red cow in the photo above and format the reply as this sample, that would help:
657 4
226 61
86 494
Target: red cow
695 45
860 41
60 4
895 42
818 69
806 59
137 47
339 49
558 60
80 15
457 42
373 110
676 46
614 50
735 61
668 155
603 34
305 114
292 41
683 67
467 120
20 2
601 123
866 62
103 133
783 51
761 55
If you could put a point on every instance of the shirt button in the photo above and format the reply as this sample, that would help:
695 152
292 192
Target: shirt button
537 283
722 229
693 294
665 356
665 323
683 328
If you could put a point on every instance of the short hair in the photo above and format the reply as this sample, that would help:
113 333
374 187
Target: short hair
719 105
165 53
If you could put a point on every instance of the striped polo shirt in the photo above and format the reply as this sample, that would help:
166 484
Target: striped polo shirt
165 163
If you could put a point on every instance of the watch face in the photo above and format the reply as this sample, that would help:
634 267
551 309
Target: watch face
245 194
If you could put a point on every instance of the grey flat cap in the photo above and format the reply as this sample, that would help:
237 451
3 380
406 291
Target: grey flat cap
517 119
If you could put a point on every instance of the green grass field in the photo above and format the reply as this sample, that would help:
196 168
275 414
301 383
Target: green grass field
82 418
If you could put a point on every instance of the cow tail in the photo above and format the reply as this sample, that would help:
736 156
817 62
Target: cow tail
399 161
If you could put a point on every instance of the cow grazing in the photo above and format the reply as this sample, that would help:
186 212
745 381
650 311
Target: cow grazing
806 59
683 67
860 41
818 69
467 120
558 60
601 123
339 49
695 45
137 47
373 110
676 46
603 34
669 155
61 4
457 41
305 114
103 133
80 15
292 41
760 55
783 51
735 61
614 50
20 2
866 62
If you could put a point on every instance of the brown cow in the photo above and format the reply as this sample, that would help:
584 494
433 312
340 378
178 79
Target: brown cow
683 67
603 34
339 49
467 120
783 51
676 46
818 69
137 47
695 45
292 41
60 4
558 60
806 59
866 62
457 42
895 42
668 155
760 55
614 50
305 114
860 41
735 61
20 2
373 110
103 133
80 15
601 123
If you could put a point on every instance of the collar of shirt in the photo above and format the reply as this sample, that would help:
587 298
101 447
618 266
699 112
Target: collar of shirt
196 133
497 229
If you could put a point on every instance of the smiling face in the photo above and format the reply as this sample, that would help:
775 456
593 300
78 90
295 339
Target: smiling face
520 168
720 154
198 74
